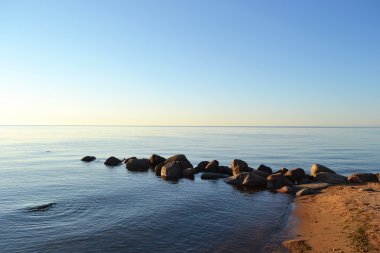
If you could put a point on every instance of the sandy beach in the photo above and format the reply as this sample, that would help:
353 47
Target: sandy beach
339 219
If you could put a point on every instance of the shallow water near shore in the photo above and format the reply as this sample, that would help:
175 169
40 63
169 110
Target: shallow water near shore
99 209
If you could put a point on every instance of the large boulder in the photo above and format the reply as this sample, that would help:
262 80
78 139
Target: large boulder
138 164
306 179
112 161
158 168
276 181
212 176
247 179
212 166
189 172
295 175
225 170
88 159
265 169
172 170
130 158
239 166
259 173
362 178
155 160
202 165
330 178
317 168
183 161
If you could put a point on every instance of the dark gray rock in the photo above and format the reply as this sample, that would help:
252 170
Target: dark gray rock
212 176
189 172
239 166
282 171
202 165
330 178
265 169
112 161
295 175
317 168
278 180
259 173
306 191
88 159
158 168
41 208
225 170
247 179
183 161
171 170
212 166
138 164
362 178
155 160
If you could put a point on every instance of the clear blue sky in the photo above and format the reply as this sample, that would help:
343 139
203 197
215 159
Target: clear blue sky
190 62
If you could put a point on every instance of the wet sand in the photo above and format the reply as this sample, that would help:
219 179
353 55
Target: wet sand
339 219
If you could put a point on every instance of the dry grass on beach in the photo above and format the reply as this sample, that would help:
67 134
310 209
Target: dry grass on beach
339 219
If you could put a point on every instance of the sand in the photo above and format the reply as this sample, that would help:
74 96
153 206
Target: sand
339 219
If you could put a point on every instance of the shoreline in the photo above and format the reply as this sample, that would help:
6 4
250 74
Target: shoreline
341 218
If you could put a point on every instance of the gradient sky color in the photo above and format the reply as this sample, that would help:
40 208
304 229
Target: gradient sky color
160 62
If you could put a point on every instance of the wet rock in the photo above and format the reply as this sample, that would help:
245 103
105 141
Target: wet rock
239 166
362 178
212 166
158 168
212 176
155 160
295 175
225 170
202 165
88 159
317 168
138 164
41 208
247 179
306 191
278 180
282 171
189 172
112 161
172 170
330 178
183 161
265 169
287 190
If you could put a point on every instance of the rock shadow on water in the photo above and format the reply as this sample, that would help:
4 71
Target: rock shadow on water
41 208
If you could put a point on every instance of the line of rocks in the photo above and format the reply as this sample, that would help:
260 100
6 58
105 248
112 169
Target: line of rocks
294 181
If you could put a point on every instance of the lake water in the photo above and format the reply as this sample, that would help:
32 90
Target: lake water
102 209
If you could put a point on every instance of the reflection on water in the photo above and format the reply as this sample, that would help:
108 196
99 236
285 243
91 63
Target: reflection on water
111 209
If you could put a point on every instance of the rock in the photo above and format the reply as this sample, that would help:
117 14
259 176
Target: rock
282 171
189 172
112 161
88 159
295 175
306 191
276 181
172 170
265 169
41 208
287 190
315 186
138 164
225 170
366 190
155 160
259 173
362 178
184 163
239 166
202 165
317 168
330 178
378 177
306 179
158 168
212 176
297 246
130 158
212 166
247 179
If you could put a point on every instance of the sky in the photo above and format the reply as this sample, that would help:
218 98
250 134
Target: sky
182 62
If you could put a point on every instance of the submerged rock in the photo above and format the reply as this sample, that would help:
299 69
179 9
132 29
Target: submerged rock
88 159
317 168
247 179
41 208
362 178
156 160
112 161
138 164
183 161
239 166
172 170
330 178
212 176
265 169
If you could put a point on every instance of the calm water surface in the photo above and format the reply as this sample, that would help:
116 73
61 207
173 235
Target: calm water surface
102 209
